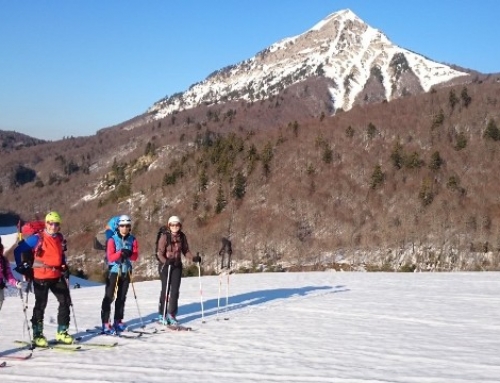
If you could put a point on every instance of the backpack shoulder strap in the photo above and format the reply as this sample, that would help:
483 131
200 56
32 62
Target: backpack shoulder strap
38 248
169 237
161 231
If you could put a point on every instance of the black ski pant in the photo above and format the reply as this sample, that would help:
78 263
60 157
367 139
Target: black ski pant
172 290
116 290
227 257
59 288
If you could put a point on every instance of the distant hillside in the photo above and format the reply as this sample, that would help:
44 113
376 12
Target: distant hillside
10 140
406 184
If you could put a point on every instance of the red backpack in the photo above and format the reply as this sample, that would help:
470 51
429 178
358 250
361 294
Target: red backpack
32 227
25 230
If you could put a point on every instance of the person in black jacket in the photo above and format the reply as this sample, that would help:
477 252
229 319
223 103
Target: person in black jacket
225 249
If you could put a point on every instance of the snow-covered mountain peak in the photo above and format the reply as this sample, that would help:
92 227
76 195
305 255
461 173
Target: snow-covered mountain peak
360 61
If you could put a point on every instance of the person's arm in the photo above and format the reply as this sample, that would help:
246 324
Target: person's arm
162 245
187 253
185 248
111 253
135 250
10 277
25 245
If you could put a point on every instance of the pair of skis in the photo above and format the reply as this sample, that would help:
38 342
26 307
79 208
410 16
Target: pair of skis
139 332
77 345
127 334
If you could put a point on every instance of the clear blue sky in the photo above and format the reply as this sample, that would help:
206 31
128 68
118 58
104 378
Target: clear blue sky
72 67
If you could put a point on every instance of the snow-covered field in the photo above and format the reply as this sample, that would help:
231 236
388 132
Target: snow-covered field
286 327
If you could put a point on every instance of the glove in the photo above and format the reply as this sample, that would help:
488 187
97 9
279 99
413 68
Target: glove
197 259
126 253
25 269
65 271
21 285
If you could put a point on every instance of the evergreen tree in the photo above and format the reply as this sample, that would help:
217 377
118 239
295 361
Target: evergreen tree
220 201
239 188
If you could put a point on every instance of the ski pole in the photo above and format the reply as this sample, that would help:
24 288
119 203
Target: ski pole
25 309
227 296
165 300
218 296
201 294
71 304
136 301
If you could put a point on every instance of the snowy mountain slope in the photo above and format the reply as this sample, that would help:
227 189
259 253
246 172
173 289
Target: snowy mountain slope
341 48
287 327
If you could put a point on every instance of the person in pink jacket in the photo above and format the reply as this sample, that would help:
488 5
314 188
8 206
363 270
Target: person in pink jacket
6 275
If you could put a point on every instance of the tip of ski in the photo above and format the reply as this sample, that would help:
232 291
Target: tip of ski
17 357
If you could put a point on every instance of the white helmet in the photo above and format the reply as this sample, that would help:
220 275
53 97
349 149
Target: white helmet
174 219
124 220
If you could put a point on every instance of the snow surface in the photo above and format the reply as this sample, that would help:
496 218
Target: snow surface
286 327
9 237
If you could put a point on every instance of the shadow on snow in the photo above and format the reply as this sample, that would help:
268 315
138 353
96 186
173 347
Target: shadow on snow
214 306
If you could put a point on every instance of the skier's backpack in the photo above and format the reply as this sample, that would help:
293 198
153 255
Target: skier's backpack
101 238
100 241
32 227
27 229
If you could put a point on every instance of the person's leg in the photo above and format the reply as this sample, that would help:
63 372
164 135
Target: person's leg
109 296
41 292
163 273
121 297
175 285
1 298
61 291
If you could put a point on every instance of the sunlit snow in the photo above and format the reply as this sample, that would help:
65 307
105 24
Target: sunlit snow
285 327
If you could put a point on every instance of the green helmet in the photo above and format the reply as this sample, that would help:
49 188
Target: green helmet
53 216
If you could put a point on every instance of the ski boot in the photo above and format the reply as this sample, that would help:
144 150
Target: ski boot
108 329
119 326
162 320
62 335
172 320
39 339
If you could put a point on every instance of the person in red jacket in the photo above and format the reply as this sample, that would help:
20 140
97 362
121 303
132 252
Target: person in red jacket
48 270
121 249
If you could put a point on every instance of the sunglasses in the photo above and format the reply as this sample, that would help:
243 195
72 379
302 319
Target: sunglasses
53 224
124 226
174 225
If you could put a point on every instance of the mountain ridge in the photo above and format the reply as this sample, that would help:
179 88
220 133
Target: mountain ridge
341 48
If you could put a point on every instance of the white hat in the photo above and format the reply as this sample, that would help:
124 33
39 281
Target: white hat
174 219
